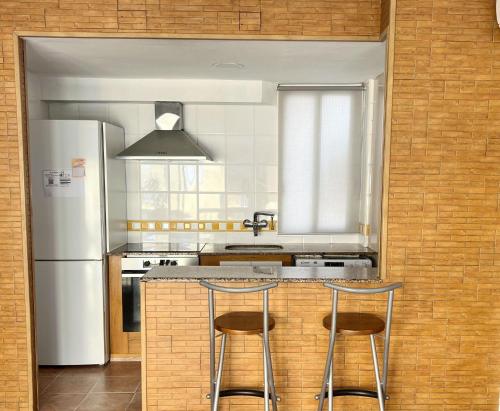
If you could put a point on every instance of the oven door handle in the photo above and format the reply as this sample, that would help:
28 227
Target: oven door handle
133 274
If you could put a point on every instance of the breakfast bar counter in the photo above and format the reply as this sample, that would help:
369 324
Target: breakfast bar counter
175 337
264 273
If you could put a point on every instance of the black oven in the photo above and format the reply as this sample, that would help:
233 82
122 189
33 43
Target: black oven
131 300
133 269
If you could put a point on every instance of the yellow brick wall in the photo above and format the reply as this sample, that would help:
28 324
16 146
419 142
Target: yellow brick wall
177 348
444 175
443 222
353 18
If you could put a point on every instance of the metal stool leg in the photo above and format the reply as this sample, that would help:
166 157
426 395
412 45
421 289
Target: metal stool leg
272 388
219 373
380 391
266 381
330 388
328 373
212 347
387 340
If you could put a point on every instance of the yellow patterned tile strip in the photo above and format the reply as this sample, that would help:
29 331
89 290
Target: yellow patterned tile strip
183 225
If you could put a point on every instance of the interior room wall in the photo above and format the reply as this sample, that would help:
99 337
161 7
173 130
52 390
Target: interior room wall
37 108
242 138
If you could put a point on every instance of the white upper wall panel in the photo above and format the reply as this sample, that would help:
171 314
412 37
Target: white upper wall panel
136 90
273 61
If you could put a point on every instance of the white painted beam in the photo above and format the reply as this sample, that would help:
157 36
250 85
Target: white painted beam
146 90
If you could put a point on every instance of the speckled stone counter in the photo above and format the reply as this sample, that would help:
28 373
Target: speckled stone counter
296 249
246 273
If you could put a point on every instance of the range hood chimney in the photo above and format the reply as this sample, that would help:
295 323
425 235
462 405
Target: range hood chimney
168 141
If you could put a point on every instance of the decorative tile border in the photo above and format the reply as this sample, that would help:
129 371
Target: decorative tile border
191 225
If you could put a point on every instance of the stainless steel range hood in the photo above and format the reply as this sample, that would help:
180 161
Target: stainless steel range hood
168 141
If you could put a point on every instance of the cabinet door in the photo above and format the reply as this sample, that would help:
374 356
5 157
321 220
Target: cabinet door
214 260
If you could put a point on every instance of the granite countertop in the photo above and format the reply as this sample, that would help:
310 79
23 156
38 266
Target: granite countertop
247 273
158 248
217 249
313 248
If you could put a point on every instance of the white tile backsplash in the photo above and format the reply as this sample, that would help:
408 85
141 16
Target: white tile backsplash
212 206
146 118
243 141
191 118
154 206
215 145
211 178
266 178
183 206
154 176
240 149
133 175
239 119
184 177
134 205
210 119
266 149
240 178
265 120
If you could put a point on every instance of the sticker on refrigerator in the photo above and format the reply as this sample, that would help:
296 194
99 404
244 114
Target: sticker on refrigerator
78 167
60 183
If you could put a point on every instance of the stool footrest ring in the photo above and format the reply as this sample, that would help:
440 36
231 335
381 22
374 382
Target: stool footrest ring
353 392
242 392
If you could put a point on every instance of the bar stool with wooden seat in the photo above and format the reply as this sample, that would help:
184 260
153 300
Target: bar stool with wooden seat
349 324
240 323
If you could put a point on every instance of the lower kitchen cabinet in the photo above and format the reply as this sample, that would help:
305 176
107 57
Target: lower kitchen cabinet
220 259
123 345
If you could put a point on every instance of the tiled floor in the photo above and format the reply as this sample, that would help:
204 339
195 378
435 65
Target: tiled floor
115 386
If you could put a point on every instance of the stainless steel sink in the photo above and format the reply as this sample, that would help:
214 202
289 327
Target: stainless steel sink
236 247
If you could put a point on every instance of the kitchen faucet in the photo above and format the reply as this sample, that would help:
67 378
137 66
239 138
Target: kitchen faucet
256 224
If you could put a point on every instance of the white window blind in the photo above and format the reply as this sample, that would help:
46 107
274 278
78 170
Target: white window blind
320 135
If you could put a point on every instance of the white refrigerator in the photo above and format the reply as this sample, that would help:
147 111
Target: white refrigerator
78 202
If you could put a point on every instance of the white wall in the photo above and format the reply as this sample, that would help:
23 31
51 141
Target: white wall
133 90
243 178
37 109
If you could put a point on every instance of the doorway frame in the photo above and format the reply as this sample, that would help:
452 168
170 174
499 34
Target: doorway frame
22 139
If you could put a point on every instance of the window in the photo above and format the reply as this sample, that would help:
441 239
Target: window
320 167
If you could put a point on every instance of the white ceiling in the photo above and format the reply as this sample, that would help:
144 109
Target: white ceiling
276 61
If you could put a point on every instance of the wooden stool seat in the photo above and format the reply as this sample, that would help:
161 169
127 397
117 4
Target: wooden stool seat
242 323
355 323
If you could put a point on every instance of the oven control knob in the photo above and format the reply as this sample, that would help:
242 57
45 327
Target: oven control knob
146 263
162 262
173 262
167 262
